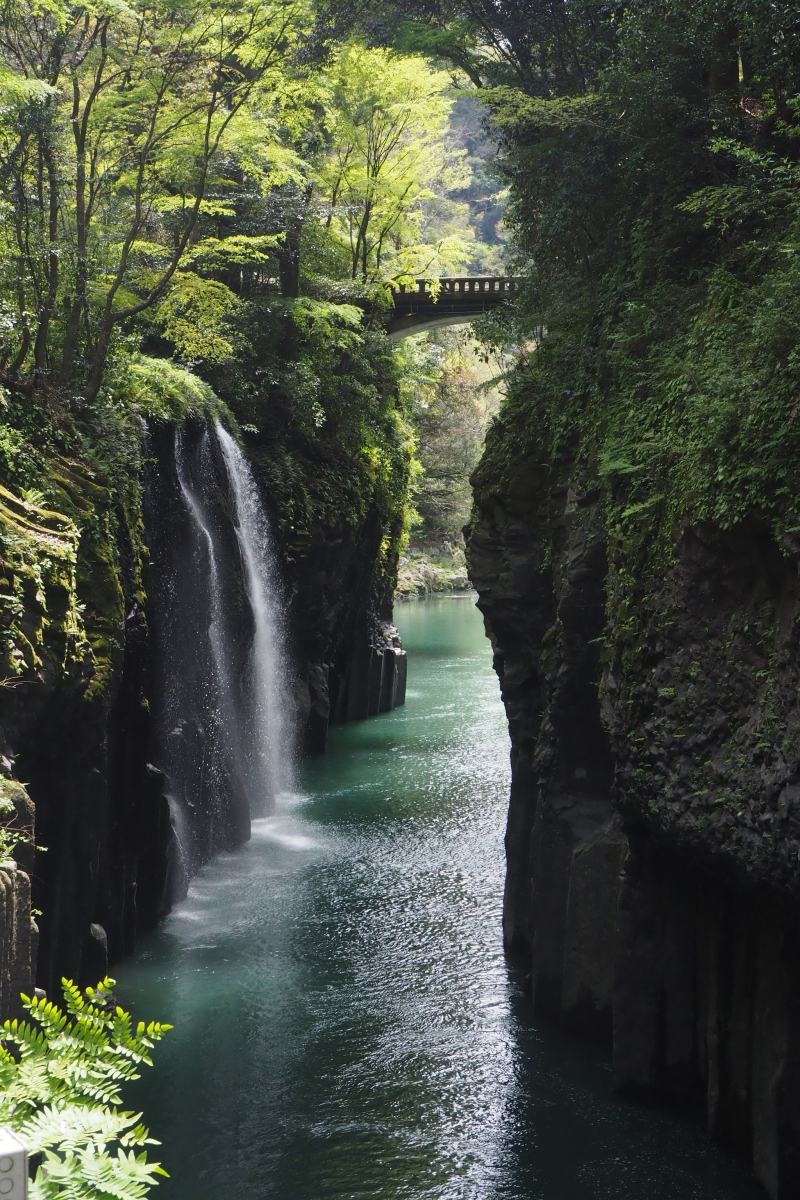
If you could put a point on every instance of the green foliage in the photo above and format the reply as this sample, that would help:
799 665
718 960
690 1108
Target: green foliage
451 399
38 588
122 125
319 397
655 219
159 389
193 314
387 115
61 1077
202 187
9 838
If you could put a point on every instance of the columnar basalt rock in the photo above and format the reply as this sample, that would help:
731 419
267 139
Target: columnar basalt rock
80 637
374 680
347 656
18 940
539 567
652 844
707 1007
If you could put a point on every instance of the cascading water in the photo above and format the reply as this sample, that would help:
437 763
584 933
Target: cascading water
269 773
220 737
221 685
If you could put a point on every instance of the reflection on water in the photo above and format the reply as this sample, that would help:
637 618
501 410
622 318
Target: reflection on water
346 1025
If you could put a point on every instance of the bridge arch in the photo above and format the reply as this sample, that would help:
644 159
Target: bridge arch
460 300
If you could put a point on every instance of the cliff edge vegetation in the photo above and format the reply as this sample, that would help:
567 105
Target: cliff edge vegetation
202 211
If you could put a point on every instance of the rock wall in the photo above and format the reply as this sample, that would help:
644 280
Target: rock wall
348 659
707 1007
77 701
19 933
421 575
17 940
73 716
200 631
652 846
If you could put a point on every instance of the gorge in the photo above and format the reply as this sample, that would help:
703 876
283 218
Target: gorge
233 419
345 1019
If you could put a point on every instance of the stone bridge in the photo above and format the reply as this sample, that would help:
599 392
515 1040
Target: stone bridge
460 300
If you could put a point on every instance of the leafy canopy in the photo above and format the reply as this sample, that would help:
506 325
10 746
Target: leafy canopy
386 115
118 124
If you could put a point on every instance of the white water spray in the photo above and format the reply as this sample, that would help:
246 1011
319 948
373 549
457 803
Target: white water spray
271 771
217 635
220 727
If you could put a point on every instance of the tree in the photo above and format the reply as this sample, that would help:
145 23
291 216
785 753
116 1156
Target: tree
451 398
108 147
387 116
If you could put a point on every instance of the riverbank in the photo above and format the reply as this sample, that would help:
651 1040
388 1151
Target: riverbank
424 574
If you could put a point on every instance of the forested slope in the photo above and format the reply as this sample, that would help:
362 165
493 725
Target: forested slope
201 211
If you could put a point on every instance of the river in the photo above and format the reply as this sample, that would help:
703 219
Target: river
346 1025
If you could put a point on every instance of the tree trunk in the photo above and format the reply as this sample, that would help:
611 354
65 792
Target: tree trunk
723 77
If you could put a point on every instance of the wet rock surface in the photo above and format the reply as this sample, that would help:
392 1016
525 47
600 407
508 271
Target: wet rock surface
652 848
77 707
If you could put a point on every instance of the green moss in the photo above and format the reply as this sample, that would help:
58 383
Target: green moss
39 615
72 510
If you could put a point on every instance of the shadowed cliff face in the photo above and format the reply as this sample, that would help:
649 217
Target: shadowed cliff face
652 834
201 629
702 705
539 566
90 638
347 655
73 717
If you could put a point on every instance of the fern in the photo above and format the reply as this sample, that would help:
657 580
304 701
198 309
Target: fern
60 1081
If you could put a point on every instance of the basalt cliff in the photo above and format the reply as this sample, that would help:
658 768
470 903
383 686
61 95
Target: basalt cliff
107 609
653 839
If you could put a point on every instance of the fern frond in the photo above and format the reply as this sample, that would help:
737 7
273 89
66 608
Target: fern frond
29 1040
60 1082
73 997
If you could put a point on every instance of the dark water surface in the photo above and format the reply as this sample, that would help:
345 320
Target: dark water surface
346 1025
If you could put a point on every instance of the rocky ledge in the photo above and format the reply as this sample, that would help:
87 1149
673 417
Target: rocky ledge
422 574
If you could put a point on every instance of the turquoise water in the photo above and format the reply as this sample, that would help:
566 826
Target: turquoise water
346 1025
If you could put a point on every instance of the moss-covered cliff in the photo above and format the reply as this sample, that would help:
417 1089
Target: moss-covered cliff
654 732
635 550
74 644
634 544
77 651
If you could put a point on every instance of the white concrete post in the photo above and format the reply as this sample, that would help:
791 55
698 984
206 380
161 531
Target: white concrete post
13 1166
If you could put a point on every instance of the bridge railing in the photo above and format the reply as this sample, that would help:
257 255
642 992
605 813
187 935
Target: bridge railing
460 285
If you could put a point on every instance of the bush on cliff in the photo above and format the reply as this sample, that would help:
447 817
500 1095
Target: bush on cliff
652 155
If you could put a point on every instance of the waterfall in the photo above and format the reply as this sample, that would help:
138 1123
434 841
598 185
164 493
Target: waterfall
266 676
221 686
218 691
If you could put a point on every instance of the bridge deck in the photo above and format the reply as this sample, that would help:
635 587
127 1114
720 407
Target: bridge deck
460 299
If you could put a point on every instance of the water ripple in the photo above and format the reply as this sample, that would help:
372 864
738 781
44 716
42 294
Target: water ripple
346 1024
